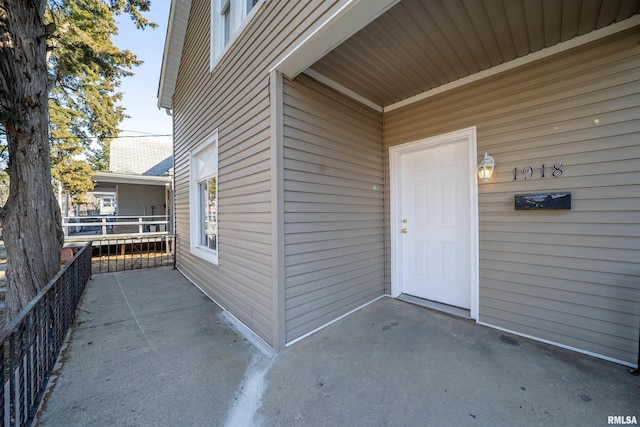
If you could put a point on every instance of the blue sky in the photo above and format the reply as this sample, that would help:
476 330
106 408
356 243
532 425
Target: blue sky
140 90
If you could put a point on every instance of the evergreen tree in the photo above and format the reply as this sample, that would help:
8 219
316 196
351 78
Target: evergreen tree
59 74
85 70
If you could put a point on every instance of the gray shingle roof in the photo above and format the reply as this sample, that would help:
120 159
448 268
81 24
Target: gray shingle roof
151 156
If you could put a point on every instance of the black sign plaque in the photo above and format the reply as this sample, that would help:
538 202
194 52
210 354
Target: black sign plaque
542 201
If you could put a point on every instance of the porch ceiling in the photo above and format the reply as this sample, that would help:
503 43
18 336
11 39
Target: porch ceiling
419 45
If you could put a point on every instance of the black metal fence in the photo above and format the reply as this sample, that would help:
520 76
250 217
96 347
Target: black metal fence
132 253
31 343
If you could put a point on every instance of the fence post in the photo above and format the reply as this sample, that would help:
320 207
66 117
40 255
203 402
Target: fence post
3 384
12 380
28 404
174 250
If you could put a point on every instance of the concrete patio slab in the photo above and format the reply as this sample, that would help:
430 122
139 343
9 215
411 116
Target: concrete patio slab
150 349
397 364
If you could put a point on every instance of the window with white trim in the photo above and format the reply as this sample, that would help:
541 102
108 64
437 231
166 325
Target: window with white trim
203 199
227 17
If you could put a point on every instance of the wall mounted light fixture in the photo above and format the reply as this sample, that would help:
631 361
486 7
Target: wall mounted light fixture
485 168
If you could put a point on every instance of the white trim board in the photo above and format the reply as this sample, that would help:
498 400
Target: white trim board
173 45
123 178
345 22
343 90
244 330
276 93
319 328
567 347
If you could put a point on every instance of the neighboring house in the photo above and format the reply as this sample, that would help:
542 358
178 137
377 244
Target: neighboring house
140 176
326 156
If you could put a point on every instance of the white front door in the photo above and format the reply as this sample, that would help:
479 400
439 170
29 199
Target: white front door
434 208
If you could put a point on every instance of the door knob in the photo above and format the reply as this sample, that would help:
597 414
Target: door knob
404 230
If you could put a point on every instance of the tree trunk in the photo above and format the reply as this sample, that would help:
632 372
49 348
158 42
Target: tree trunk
31 217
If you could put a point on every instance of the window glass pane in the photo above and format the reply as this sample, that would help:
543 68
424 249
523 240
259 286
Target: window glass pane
227 24
250 4
208 214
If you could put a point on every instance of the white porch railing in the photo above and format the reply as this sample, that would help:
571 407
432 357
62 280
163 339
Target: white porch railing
81 228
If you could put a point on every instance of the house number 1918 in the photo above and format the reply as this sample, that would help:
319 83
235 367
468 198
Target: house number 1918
529 172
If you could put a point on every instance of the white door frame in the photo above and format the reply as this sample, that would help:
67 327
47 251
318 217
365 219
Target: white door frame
469 135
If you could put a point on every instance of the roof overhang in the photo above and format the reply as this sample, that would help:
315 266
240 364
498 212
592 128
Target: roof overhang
373 50
348 20
173 44
118 178
387 54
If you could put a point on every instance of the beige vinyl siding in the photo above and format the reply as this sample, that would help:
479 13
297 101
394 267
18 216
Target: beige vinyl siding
234 99
138 199
569 277
333 190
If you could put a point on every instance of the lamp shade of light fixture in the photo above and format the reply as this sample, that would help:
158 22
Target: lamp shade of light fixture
485 168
